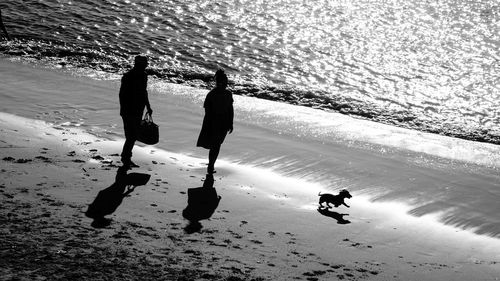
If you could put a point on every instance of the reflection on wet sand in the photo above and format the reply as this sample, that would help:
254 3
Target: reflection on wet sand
108 200
202 203
334 215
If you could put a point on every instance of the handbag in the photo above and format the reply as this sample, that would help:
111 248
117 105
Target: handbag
148 132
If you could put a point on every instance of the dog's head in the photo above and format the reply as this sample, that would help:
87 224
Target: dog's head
345 193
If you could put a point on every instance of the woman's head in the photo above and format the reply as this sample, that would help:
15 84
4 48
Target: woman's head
220 79
140 62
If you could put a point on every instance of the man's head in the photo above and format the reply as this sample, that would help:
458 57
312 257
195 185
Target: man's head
140 62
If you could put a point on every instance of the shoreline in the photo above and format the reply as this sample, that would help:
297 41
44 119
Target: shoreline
81 58
329 126
256 232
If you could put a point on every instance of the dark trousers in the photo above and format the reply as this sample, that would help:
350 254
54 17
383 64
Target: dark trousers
131 126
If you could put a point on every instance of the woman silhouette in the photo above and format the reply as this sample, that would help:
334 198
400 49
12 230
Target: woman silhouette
218 120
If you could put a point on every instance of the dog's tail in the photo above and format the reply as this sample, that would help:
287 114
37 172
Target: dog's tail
319 193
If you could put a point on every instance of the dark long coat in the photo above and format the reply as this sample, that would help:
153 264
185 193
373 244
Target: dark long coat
218 120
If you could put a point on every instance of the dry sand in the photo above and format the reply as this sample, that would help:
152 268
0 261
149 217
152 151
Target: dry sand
51 174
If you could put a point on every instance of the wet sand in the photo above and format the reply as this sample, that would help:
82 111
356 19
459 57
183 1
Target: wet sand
51 174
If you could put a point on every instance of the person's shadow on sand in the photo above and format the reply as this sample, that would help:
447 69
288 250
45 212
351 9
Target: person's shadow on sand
334 215
108 200
202 203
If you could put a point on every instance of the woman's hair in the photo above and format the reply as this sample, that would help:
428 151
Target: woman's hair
220 76
140 59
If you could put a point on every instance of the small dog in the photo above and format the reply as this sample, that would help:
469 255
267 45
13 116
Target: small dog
336 200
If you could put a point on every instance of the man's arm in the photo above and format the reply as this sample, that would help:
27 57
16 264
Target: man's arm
148 105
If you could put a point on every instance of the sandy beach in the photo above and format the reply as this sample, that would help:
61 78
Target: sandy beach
266 226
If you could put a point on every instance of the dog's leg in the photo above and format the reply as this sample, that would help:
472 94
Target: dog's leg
346 205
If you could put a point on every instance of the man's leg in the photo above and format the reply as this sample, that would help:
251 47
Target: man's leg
130 126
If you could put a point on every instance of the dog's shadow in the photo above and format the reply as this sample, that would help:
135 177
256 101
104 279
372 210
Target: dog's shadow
108 199
334 215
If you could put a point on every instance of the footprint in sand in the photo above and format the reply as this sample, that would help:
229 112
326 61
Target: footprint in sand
314 273
44 159
357 244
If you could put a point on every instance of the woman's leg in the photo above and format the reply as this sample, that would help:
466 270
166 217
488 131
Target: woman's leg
212 156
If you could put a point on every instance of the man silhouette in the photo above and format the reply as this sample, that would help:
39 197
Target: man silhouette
133 99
